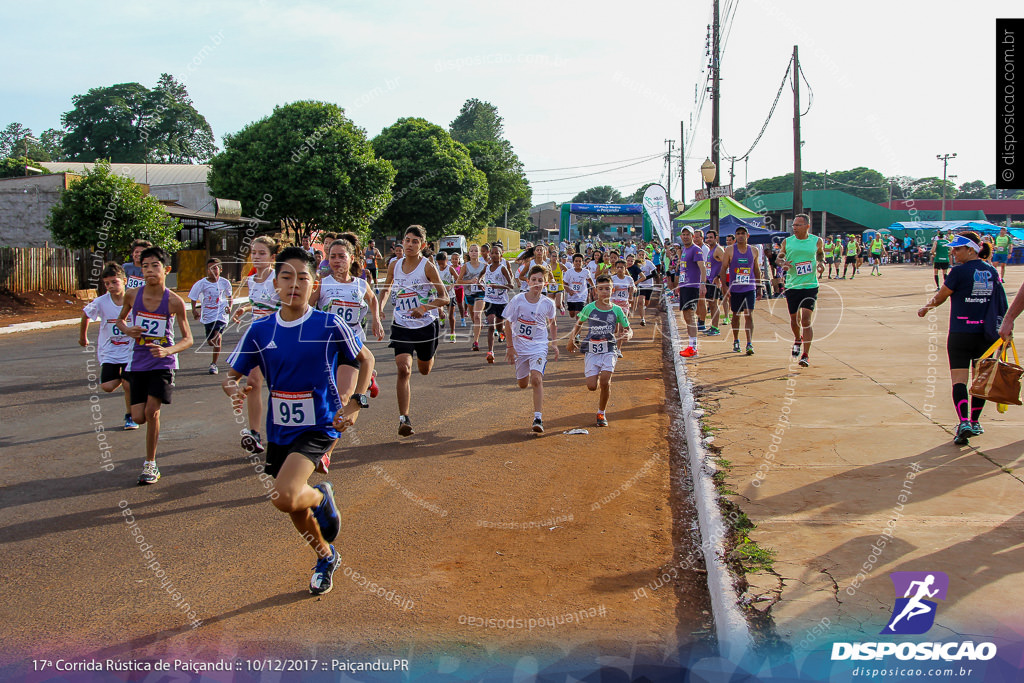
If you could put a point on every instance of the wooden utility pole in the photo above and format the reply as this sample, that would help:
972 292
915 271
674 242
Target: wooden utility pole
682 164
798 181
716 136
668 165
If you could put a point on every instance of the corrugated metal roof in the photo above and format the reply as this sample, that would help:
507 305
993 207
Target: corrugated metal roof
150 174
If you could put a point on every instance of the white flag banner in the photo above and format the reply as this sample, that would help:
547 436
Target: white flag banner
656 205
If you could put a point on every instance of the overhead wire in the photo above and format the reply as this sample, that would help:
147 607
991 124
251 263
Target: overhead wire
660 155
603 163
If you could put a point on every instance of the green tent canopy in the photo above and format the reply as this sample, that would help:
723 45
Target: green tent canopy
701 212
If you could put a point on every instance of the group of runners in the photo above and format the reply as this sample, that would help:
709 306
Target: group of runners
306 323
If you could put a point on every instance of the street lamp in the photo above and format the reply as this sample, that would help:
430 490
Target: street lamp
944 158
708 171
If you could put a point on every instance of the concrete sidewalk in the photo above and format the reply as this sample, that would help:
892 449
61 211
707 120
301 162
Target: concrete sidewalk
849 471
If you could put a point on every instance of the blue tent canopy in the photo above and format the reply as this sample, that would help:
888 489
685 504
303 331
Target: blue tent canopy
927 229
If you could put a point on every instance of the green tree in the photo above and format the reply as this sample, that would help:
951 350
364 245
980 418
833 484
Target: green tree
14 167
310 164
591 227
179 134
477 121
52 140
974 189
14 141
129 123
106 212
602 194
931 188
436 185
638 196
506 182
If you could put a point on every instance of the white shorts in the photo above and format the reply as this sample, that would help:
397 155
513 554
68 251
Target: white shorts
596 363
526 364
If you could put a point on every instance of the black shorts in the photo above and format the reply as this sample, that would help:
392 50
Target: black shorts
851 259
156 383
574 306
112 371
688 298
943 265
372 270
739 301
712 292
497 310
312 444
801 298
645 292
216 327
473 297
963 348
418 341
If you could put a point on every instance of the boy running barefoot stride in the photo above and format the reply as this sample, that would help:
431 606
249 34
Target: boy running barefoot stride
530 329
113 348
317 371
606 324
153 309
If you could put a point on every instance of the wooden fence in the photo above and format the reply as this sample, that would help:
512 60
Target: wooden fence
27 269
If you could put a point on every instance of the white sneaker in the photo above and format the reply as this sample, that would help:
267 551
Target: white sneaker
213 369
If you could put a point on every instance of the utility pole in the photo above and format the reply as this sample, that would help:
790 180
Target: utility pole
798 180
682 164
716 136
944 158
668 165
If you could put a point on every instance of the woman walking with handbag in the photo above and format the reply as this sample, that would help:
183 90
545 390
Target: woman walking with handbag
977 306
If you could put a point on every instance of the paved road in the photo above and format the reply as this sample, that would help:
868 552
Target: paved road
431 522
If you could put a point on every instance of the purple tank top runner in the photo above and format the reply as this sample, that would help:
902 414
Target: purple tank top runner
741 270
713 267
156 328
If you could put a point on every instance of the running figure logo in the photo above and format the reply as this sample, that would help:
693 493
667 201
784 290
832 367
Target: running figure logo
913 614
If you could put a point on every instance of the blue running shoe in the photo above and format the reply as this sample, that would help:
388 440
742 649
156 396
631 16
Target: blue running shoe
963 433
323 573
326 513
129 423
976 428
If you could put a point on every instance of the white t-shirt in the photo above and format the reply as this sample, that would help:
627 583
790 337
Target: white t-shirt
592 266
113 346
621 288
263 296
647 268
576 284
529 324
215 298
347 300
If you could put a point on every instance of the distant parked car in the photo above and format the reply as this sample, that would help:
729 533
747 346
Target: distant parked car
522 244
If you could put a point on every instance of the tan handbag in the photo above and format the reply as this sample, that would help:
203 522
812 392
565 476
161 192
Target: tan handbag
995 379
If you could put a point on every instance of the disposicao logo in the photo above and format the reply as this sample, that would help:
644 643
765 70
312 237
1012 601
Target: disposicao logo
914 614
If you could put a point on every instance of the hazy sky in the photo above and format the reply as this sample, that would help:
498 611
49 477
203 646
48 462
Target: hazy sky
894 83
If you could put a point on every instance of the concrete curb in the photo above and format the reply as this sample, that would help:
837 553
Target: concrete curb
731 626
37 325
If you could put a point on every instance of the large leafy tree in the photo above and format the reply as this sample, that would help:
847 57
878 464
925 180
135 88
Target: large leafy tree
931 188
507 187
129 123
477 122
863 182
975 189
106 212
602 194
17 141
638 196
480 128
436 184
309 164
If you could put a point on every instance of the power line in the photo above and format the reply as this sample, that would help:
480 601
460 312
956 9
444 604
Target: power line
603 163
810 90
782 85
609 170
